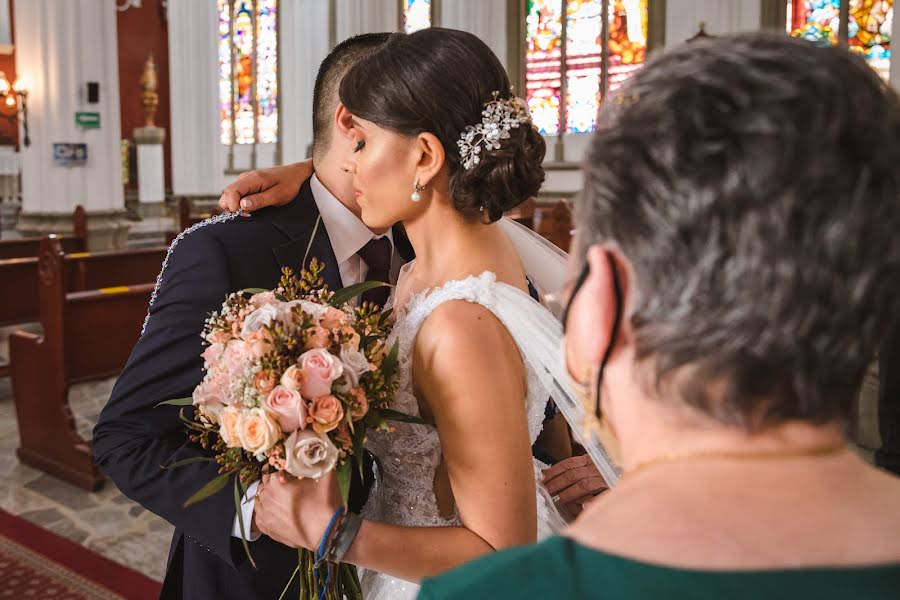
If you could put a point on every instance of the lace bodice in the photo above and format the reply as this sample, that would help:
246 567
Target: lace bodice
410 455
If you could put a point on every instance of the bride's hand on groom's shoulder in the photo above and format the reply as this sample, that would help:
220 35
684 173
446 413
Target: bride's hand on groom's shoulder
296 512
574 482
257 189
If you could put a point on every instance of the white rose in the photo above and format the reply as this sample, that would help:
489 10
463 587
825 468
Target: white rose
259 318
355 364
309 454
258 432
313 309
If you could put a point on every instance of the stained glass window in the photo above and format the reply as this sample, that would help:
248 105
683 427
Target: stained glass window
248 71
868 27
815 20
869 32
416 15
582 67
542 63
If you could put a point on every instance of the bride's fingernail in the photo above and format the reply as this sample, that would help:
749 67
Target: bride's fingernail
246 204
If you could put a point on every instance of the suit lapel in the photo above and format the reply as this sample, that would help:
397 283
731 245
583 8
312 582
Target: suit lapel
299 220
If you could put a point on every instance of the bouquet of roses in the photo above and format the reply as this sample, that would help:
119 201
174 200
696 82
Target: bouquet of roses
294 378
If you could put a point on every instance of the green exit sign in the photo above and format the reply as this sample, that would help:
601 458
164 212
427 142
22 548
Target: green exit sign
87 120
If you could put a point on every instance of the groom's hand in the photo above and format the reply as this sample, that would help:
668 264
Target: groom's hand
265 187
574 482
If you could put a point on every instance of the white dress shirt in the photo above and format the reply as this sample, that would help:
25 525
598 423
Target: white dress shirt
348 234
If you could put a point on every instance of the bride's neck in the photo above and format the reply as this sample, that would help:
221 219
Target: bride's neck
444 240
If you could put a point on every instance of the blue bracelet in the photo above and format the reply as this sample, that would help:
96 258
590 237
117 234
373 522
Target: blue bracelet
321 552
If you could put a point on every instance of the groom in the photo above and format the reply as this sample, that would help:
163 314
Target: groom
133 438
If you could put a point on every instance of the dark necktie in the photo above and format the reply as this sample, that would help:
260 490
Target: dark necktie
377 255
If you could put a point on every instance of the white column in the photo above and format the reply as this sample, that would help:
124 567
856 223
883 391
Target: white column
60 46
722 17
488 20
304 43
197 159
365 16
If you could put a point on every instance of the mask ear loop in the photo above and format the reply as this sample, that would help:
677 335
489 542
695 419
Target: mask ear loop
617 321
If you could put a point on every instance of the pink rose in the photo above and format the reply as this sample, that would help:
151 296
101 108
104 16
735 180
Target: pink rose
292 378
326 413
320 368
359 404
214 352
309 454
258 300
229 419
236 357
317 337
210 396
287 407
333 318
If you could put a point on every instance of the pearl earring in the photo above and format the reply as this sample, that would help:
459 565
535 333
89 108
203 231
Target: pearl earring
416 196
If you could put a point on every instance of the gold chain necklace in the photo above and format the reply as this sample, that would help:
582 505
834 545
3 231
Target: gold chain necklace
817 452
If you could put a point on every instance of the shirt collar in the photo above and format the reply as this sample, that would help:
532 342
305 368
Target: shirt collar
345 230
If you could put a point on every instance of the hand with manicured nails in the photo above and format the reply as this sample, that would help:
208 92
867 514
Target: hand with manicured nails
265 187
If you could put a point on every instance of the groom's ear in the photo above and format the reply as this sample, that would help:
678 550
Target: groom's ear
431 157
343 121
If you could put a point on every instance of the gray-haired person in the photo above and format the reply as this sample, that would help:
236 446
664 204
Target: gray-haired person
738 238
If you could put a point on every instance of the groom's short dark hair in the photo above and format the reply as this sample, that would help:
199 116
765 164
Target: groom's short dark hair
328 82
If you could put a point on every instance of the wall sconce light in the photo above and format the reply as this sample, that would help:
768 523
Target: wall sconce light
13 102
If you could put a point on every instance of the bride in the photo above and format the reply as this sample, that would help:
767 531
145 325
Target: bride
443 147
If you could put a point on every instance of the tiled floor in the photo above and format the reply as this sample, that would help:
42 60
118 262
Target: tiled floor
105 521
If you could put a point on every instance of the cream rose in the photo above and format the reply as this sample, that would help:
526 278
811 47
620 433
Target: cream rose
320 368
355 364
287 407
292 378
258 432
326 413
229 419
309 454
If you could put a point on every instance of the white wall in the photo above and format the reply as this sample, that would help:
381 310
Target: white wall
683 17
197 159
60 46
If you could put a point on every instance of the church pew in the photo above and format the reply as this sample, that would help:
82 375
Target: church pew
86 335
28 247
554 222
81 271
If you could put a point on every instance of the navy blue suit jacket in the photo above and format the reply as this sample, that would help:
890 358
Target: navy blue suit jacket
133 438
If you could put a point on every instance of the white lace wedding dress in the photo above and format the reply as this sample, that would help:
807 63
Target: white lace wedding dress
410 455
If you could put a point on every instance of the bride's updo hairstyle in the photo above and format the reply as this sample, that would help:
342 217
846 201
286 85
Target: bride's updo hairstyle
439 81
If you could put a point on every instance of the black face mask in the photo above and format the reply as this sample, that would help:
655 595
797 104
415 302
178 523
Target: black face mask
617 291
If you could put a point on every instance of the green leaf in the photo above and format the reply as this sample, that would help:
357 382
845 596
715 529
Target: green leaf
344 472
343 296
395 415
311 238
254 291
189 401
209 489
359 438
240 516
389 366
189 461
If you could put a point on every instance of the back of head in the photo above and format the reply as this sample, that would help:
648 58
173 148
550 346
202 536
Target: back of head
753 184
328 80
438 81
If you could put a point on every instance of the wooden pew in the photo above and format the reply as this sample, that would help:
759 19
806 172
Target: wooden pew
554 222
186 217
81 271
29 247
87 335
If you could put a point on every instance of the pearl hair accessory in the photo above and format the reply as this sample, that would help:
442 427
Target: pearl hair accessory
416 196
498 117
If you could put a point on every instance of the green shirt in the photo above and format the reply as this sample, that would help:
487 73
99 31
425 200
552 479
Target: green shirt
561 568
